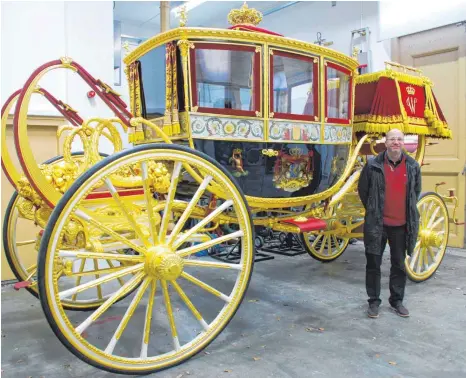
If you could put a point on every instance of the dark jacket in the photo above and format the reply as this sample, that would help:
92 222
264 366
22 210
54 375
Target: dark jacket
371 188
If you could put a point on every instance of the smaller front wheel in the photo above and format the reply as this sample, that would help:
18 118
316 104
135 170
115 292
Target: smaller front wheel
161 303
324 246
432 238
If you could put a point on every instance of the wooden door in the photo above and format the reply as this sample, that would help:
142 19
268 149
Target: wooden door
441 55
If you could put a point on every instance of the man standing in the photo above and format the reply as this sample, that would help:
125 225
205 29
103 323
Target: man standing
389 187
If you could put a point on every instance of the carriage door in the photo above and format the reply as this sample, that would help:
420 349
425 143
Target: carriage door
441 55
294 128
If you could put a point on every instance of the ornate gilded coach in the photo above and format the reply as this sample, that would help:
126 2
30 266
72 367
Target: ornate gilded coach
233 130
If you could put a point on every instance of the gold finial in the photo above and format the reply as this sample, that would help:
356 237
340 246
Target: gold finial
245 15
126 47
183 16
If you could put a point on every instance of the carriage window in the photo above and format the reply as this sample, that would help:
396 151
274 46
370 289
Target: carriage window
227 79
338 87
294 82
153 79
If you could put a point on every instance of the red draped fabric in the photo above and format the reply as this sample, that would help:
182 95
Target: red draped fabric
413 99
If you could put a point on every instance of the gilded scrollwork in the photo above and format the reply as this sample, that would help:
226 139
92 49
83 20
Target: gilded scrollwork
61 176
25 208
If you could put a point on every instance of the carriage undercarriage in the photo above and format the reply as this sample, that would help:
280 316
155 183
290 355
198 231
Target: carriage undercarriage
119 235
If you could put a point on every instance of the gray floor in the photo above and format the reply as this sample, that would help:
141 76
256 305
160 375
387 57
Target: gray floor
300 318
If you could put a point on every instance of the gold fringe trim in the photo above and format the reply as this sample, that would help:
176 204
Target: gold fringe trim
405 78
378 118
171 123
406 128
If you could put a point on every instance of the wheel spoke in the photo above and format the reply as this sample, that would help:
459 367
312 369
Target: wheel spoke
420 260
128 314
432 217
322 246
99 281
100 256
183 237
187 212
98 287
190 305
32 274
317 238
125 210
206 287
32 267
149 204
426 214
125 289
212 264
169 201
329 248
78 279
171 318
417 250
27 242
96 272
436 223
110 264
81 214
202 246
148 319
432 254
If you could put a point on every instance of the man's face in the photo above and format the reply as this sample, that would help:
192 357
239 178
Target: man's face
395 142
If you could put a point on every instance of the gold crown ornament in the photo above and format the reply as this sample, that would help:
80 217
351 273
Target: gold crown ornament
245 16
410 90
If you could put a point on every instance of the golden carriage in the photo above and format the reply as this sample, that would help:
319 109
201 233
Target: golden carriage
232 130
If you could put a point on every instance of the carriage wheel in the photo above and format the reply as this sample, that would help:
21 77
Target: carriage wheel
432 238
15 249
328 245
184 301
324 246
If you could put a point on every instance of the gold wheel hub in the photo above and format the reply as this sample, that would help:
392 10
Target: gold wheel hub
162 263
430 238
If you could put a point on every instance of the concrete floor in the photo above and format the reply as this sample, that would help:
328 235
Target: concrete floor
300 318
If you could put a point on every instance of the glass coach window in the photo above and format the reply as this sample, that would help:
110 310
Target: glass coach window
294 86
226 79
338 94
154 82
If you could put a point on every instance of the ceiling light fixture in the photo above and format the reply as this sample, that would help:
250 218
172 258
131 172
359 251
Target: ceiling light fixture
188 4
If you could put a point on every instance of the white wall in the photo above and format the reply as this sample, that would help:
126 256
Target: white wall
34 33
413 16
29 39
303 20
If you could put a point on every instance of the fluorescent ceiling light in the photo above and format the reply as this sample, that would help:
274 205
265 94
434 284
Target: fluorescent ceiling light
189 5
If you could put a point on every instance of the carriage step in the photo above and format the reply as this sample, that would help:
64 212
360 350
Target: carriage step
308 224
21 285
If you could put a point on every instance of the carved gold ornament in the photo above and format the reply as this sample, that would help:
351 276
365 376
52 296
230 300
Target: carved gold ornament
269 152
160 177
245 16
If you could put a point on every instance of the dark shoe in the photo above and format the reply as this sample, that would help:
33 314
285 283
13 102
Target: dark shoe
401 310
373 311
